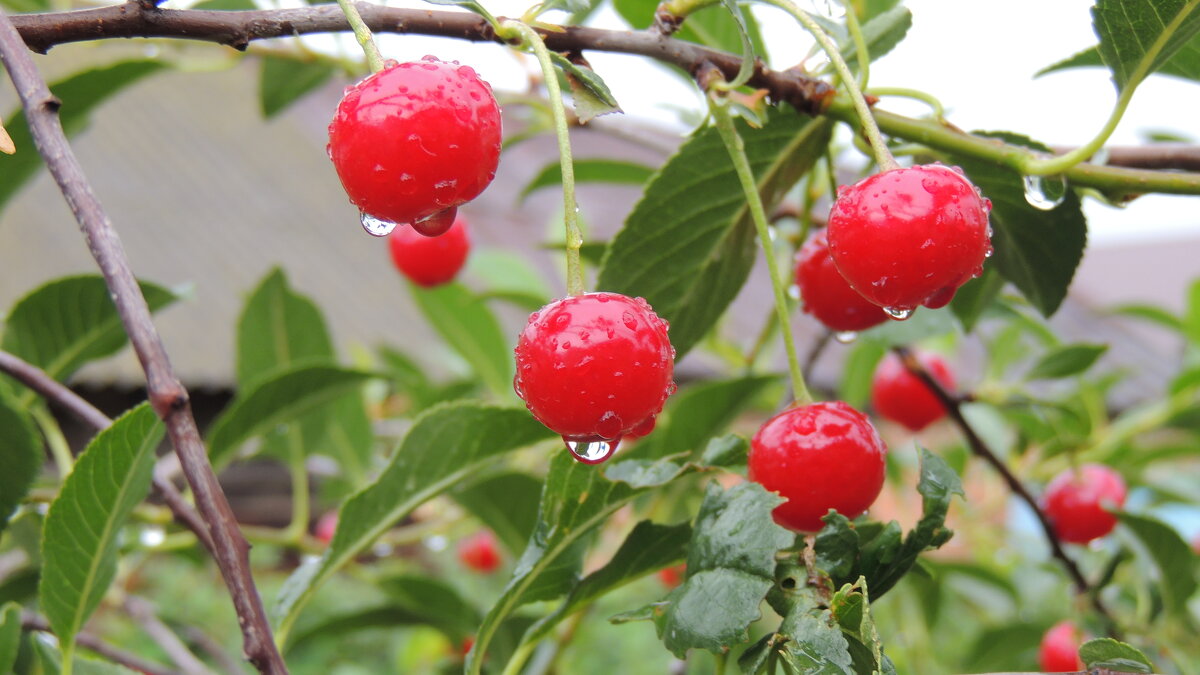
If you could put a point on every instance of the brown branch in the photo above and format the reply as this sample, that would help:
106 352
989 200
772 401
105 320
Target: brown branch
980 449
166 394
33 622
1177 156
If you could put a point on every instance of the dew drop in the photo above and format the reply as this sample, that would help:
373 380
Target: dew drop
898 314
1042 195
375 226
436 224
988 253
845 336
591 451
628 319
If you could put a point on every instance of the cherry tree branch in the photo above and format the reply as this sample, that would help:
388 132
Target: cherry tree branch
166 394
144 613
33 622
980 449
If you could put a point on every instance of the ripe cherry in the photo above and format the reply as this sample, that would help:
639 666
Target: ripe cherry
479 552
910 237
826 295
672 576
594 368
1077 501
430 261
819 457
415 140
1059 651
901 397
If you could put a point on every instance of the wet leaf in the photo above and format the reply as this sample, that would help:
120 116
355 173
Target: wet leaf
1113 655
1137 37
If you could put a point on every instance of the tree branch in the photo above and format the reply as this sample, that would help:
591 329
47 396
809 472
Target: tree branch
166 394
980 449
33 622
143 612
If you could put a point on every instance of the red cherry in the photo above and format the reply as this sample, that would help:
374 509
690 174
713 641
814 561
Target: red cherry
430 261
479 552
901 397
325 527
826 295
1077 502
819 457
672 576
1059 652
910 237
594 368
415 139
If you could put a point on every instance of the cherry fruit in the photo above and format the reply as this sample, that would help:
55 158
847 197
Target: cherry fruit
826 295
430 261
479 552
672 576
902 397
1059 651
414 141
326 526
910 237
594 368
819 457
1077 501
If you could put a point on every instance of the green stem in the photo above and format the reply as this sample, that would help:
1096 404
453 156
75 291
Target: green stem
574 239
939 111
517 661
68 656
719 662
362 34
737 153
60 449
860 44
870 128
299 474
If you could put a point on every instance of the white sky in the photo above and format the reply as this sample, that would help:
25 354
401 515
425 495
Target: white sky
977 57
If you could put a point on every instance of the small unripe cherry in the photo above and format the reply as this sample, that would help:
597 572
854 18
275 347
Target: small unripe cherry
430 261
480 552
825 294
1078 501
1059 651
900 396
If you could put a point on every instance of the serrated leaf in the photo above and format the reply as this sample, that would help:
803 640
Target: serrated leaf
10 635
614 171
699 412
881 33
79 544
1088 58
591 95
445 444
731 566
648 547
974 297
1066 361
1171 555
1137 37
1113 655
816 645
80 93
68 322
507 503
283 397
278 327
727 450
20 455
1037 250
283 81
471 329
689 244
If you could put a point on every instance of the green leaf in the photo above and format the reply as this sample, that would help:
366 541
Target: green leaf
445 444
1088 58
509 276
1191 314
615 171
20 455
1005 647
590 94
277 328
882 33
976 296
1137 37
51 662
70 321
25 7
283 397
507 503
699 412
1066 361
731 566
1171 555
80 93
283 81
472 330
1038 251
1151 314
648 547
10 635
858 371
689 244
1112 655
816 644
79 545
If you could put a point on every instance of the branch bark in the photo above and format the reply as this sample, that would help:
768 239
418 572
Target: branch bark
33 622
167 395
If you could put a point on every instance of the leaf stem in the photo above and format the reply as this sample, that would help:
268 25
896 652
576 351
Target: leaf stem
60 450
939 111
718 108
860 44
299 474
574 238
362 34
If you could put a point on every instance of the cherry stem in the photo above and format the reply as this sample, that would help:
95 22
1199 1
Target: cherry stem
574 237
882 156
861 52
939 111
719 109
363 34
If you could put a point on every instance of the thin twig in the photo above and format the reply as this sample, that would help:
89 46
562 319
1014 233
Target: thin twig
981 449
33 622
166 394
144 614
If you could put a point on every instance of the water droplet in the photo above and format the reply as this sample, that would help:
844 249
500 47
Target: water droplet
988 253
591 451
628 319
436 224
1042 194
845 336
793 292
897 313
374 226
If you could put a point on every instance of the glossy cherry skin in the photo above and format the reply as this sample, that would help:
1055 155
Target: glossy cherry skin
910 237
1077 501
595 367
819 457
430 261
825 294
901 397
416 139
1059 651
479 552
